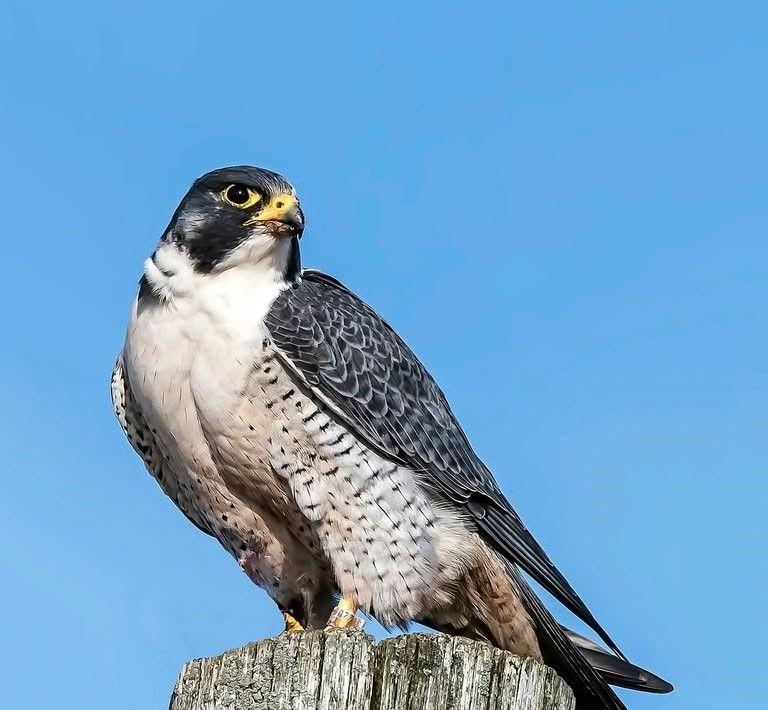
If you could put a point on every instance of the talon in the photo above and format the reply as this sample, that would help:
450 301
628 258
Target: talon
291 625
344 616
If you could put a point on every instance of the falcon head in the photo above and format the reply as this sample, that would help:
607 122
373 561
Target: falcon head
238 215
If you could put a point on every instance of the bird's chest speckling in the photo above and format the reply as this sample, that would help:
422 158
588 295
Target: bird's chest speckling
383 537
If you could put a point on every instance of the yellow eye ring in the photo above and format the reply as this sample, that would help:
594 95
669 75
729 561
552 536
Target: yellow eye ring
240 196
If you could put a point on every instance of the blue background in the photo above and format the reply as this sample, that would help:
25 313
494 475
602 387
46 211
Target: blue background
560 205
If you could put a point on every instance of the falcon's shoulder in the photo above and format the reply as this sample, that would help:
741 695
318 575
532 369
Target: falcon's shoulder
351 357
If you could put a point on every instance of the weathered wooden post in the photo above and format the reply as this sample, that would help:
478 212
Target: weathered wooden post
343 670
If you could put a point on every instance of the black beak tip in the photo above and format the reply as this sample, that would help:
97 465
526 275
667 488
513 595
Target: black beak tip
288 226
295 222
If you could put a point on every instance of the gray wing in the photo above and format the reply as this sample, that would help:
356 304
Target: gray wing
356 363
142 440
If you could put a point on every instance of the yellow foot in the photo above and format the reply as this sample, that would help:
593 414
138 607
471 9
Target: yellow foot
343 616
291 625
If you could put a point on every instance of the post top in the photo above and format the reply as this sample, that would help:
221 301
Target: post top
348 670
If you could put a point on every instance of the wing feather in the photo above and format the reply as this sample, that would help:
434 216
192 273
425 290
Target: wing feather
362 370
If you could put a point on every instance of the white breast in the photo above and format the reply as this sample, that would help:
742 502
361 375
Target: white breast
188 353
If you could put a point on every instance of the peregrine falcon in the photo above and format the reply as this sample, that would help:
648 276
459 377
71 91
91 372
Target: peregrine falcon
288 420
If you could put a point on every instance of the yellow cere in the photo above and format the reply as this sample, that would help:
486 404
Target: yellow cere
277 208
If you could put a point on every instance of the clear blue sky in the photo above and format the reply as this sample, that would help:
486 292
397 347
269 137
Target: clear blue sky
561 206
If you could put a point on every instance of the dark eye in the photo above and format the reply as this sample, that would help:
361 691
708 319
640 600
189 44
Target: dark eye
240 196
237 194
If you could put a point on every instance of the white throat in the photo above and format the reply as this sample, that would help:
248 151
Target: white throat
234 297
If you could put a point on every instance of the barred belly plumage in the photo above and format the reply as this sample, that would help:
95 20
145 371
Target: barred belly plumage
385 542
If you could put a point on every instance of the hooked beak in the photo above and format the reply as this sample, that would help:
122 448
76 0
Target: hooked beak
282 217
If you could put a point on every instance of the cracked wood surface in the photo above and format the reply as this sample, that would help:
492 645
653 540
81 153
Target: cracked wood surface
341 670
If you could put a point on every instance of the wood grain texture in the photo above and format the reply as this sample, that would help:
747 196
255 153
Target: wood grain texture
339 670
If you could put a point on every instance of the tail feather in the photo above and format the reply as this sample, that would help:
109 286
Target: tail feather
617 671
